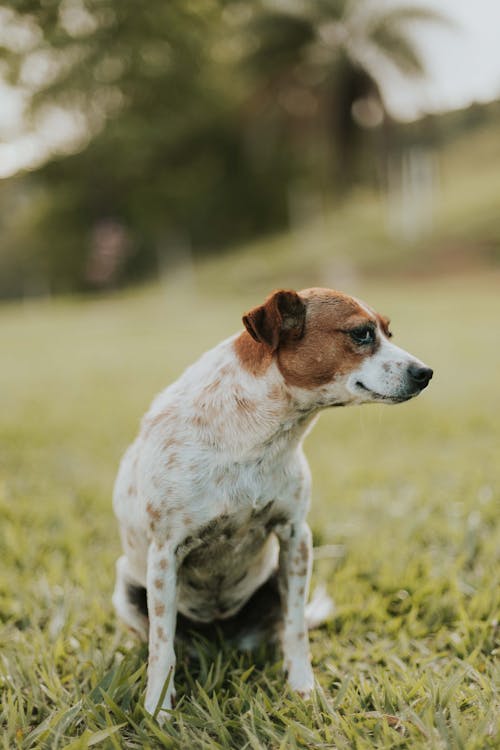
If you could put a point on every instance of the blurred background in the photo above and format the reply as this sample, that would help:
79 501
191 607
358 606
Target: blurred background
332 138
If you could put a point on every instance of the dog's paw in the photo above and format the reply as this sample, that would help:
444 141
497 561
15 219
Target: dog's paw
301 678
162 712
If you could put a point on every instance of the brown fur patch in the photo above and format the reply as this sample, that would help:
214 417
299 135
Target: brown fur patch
159 609
163 563
253 357
325 350
158 583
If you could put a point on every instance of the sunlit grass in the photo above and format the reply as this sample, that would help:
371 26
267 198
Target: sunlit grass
409 496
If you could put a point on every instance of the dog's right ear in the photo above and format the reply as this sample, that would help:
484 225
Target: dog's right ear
280 318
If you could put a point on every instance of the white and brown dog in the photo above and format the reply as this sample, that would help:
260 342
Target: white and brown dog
212 496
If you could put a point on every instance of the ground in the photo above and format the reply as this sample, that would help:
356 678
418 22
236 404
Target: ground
405 512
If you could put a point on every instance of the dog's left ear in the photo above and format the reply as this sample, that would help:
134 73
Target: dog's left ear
281 318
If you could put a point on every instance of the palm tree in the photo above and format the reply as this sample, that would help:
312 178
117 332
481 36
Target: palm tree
322 63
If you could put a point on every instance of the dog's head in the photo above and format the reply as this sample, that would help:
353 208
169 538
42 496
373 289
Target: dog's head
336 347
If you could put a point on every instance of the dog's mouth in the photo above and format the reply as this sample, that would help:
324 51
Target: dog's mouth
380 397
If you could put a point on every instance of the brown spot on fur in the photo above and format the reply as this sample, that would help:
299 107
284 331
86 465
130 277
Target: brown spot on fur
199 420
304 551
325 349
132 490
188 520
161 634
152 512
301 636
158 583
244 404
300 567
163 563
159 609
172 460
212 387
301 591
276 392
150 423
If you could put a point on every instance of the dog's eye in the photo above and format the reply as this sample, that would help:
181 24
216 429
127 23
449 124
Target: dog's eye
363 335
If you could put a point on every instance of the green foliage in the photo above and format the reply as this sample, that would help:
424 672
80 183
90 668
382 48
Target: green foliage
408 496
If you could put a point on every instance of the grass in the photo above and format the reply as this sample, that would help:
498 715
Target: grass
407 496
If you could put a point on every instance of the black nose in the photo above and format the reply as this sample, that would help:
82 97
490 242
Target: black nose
420 376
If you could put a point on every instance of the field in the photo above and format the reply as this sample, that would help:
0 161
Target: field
405 511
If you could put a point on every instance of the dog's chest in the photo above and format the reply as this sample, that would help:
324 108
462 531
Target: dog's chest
220 561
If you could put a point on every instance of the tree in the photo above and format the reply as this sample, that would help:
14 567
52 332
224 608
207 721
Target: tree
324 61
194 119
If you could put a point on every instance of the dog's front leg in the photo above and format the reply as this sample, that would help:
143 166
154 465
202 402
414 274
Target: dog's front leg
294 575
162 609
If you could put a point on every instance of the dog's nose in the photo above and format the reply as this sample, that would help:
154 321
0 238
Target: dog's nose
419 375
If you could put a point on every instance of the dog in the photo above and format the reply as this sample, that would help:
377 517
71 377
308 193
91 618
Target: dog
212 496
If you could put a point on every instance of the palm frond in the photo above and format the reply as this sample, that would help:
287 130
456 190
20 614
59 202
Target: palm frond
409 15
390 33
398 49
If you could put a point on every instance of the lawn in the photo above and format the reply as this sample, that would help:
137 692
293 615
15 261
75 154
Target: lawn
405 511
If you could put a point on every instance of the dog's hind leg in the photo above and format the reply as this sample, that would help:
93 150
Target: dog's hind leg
129 599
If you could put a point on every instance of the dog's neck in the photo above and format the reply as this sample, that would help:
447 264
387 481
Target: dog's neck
261 413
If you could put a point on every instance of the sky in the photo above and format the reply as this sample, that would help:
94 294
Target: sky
462 61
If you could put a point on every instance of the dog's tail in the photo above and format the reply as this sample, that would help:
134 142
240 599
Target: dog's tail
320 608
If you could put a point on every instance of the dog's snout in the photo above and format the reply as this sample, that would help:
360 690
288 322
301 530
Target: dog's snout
419 375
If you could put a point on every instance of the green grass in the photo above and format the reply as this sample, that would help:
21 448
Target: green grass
408 496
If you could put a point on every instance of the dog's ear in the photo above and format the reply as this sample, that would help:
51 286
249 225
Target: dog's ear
280 318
